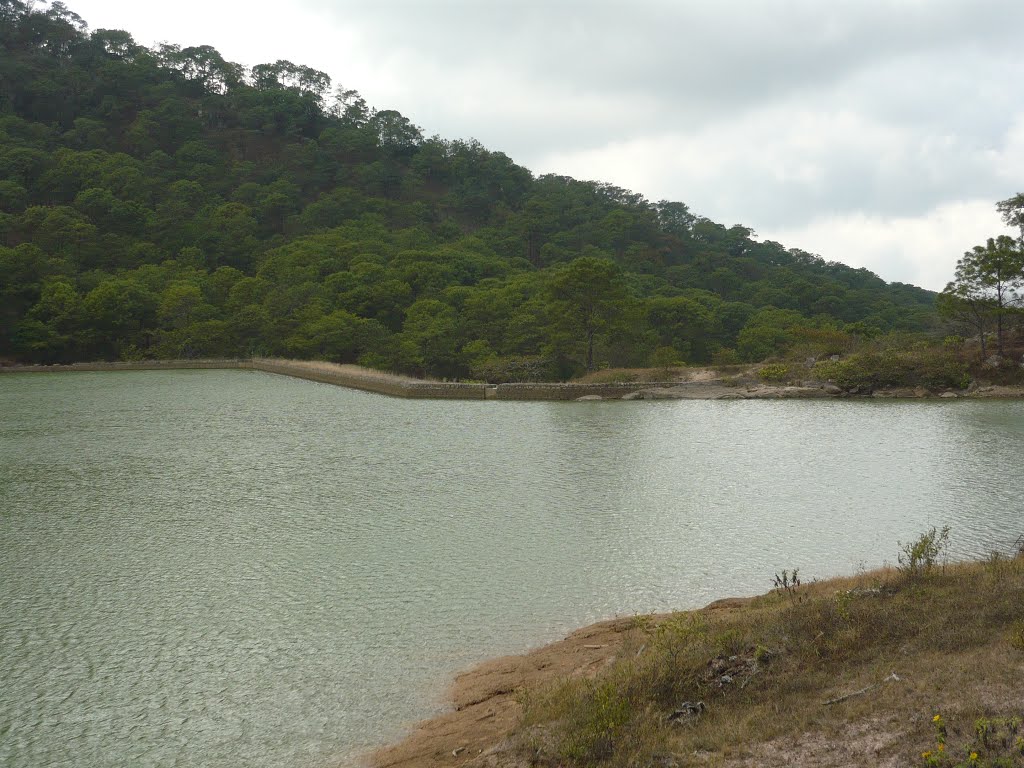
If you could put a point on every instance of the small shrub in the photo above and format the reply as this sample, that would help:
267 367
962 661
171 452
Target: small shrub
762 655
919 557
665 357
997 566
731 642
514 369
1017 636
597 723
788 582
775 372
998 743
725 356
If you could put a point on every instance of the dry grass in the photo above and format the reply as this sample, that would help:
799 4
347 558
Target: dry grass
345 369
757 684
663 375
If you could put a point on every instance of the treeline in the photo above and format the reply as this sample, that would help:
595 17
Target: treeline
168 203
984 295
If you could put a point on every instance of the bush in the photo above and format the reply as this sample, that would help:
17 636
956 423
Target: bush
665 357
868 371
775 372
725 356
514 369
919 557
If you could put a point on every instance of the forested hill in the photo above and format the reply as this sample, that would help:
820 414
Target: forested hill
169 203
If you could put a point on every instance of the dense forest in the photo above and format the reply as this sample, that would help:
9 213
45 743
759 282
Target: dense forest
168 203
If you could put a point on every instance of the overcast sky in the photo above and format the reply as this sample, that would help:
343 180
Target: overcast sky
879 133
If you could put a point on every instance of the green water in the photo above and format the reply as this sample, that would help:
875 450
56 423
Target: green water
227 568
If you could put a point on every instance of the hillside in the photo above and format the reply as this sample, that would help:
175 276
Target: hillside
169 203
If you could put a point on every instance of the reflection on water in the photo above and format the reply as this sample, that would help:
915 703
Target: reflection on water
226 568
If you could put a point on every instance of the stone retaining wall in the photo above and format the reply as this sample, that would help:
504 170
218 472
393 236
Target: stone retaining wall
556 391
382 384
366 379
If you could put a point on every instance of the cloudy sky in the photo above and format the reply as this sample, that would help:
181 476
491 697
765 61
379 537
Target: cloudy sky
878 133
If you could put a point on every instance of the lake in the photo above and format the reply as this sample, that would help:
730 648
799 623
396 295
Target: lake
224 568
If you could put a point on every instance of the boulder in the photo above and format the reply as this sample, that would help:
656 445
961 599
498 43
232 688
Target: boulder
587 398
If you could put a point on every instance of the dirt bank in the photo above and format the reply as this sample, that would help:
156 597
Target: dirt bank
872 670
486 700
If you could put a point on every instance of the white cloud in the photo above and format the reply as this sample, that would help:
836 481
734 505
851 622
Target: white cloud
922 250
789 116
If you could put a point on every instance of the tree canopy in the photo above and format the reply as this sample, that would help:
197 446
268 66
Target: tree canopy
169 203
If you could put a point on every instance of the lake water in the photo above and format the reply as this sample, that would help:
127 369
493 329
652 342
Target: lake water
226 568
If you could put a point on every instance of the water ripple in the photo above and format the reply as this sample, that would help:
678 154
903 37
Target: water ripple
225 568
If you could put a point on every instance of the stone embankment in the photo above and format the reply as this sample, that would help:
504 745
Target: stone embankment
369 380
366 379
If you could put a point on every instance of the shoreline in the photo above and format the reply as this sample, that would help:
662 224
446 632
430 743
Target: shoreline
392 385
485 702
483 727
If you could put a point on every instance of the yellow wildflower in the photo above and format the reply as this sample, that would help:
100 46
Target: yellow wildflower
974 757
936 718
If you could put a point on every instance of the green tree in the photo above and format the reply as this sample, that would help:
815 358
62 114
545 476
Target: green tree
984 289
1012 212
589 293
117 312
431 330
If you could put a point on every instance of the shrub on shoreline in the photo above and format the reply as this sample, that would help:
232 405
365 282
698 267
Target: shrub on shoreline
920 367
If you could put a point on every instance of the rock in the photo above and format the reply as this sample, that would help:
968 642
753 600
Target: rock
633 396
992 361
948 394
834 358
799 391
809 362
832 389
731 396
587 398
688 709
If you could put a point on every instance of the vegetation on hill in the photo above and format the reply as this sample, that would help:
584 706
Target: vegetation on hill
169 203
